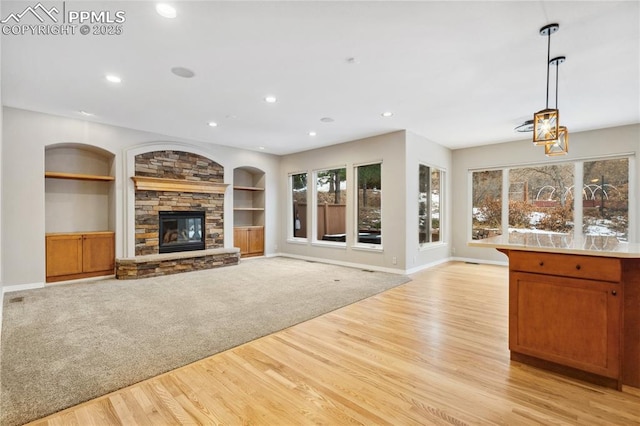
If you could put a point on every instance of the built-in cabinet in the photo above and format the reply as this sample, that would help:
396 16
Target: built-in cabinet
249 239
248 210
79 255
79 212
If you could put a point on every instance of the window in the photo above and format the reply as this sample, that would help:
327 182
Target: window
331 192
486 213
429 198
299 205
605 198
369 185
541 198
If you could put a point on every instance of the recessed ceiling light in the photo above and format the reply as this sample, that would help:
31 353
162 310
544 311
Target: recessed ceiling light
312 133
387 114
113 78
327 120
182 72
270 99
165 10
85 113
261 148
212 124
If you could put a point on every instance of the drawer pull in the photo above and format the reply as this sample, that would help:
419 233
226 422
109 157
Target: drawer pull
541 263
578 267
614 292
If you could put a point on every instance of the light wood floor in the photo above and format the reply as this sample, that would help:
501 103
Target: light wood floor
433 351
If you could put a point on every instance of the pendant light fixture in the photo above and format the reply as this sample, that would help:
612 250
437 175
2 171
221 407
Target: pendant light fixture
560 146
546 122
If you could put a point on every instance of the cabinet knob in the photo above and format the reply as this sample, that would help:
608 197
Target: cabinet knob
578 267
614 292
541 263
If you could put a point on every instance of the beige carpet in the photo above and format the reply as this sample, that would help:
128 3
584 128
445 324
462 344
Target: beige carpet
66 344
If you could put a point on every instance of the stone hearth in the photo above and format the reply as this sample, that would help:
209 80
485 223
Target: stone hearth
172 263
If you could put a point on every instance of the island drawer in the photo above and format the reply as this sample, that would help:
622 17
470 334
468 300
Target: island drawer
566 265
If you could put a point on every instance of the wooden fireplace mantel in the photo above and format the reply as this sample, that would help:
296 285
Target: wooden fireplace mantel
146 183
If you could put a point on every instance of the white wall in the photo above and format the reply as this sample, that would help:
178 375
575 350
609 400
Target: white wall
1 160
388 148
584 145
423 151
25 136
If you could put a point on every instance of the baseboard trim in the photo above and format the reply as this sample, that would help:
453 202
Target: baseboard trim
482 261
347 264
20 287
390 270
427 266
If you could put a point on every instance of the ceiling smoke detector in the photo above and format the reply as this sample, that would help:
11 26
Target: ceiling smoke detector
183 72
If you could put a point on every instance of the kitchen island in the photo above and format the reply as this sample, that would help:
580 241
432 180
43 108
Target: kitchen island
574 304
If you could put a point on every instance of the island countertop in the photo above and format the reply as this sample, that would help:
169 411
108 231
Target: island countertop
590 245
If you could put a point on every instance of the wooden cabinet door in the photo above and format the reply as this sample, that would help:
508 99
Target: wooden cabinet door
98 252
256 240
63 254
241 239
570 321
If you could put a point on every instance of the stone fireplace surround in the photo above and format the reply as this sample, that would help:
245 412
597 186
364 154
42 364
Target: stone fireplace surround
176 181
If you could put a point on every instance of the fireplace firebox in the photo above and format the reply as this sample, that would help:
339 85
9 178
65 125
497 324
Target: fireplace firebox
181 231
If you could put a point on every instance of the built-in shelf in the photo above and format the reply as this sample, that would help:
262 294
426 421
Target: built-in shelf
248 210
178 185
247 188
77 176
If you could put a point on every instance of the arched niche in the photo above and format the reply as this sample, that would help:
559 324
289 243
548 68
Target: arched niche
79 188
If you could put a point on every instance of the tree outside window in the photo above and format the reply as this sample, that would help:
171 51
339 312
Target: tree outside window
429 198
299 204
331 193
541 199
486 213
369 203
605 198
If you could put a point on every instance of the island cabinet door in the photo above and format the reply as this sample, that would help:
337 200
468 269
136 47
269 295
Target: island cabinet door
569 321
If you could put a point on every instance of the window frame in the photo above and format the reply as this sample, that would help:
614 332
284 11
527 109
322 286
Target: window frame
441 207
314 209
290 220
578 164
356 191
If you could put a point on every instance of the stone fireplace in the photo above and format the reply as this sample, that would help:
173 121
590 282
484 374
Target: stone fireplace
183 173
179 215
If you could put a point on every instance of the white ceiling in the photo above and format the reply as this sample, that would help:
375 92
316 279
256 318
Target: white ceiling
458 73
